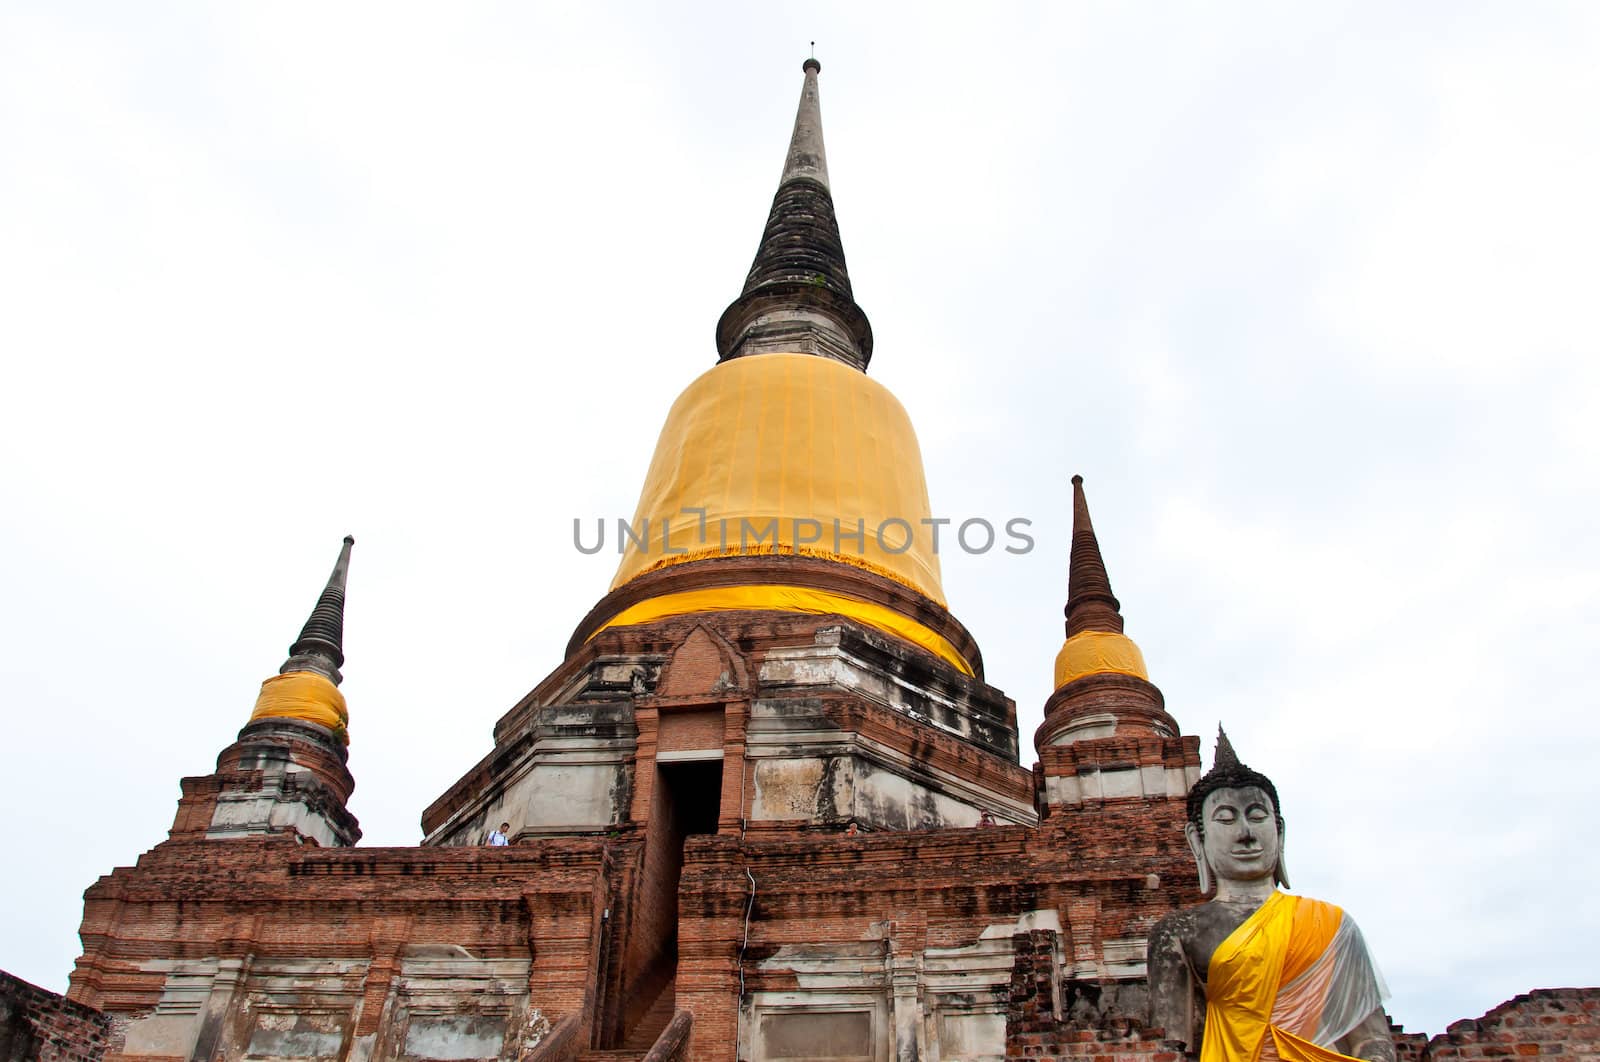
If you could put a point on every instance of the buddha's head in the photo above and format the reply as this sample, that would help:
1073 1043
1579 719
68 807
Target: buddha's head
1235 828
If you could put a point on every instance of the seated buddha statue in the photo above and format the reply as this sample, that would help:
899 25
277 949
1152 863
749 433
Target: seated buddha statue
1257 974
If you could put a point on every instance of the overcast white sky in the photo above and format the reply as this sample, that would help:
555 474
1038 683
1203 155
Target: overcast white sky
1307 293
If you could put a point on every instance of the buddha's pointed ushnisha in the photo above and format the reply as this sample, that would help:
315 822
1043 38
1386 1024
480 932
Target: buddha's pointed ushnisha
1224 757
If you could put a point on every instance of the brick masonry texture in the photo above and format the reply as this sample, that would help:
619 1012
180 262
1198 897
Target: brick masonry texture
1562 1024
38 1024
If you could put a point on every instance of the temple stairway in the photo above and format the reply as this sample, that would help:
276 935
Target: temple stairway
650 1024
645 1031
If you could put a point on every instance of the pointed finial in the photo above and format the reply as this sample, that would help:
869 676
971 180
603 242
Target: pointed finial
1090 604
797 296
1224 757
807 159
320 647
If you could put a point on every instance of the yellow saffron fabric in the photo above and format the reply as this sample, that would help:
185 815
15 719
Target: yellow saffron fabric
1096 652
791 599
303 695
1315 923
1282 943
788 453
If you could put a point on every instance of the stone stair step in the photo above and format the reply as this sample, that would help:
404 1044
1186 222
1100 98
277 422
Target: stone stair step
653 1021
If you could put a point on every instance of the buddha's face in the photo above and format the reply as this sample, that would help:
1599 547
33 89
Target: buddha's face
1240 830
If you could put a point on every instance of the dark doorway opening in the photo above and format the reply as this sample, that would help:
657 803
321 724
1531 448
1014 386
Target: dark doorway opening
694 791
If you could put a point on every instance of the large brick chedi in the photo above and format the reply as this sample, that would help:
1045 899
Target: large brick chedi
768 806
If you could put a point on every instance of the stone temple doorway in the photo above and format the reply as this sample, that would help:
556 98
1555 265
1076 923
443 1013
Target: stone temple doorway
693 788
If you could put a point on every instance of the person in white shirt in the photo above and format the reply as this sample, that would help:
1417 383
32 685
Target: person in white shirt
497 838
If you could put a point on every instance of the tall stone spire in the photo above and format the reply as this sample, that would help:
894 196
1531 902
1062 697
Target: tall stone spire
797 298
320 647
1090 604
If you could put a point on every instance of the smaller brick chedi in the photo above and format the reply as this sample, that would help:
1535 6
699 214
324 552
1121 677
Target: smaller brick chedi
767 807
287 770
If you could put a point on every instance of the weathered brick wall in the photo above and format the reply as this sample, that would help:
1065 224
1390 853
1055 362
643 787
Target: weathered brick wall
691 730
700 664
653 916
1089 1022
818 894
1109 872
38 1024
271 900
1550 1024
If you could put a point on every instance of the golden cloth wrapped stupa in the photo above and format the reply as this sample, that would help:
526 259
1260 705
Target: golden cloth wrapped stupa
787 447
